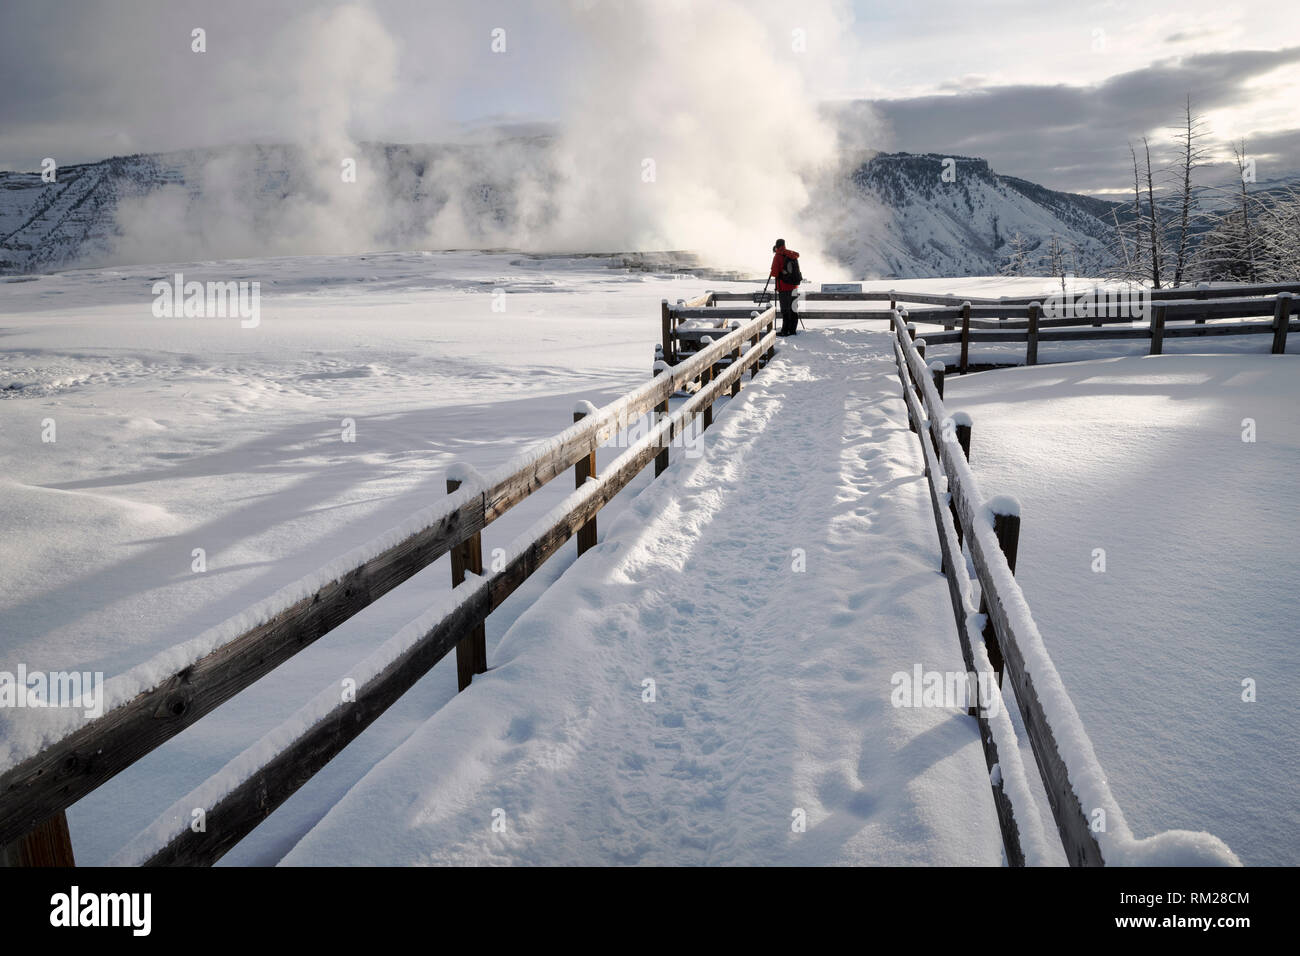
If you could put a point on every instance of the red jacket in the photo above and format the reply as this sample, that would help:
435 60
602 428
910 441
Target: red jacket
778 261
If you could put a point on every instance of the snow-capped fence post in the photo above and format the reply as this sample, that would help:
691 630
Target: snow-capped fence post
965 336
46 844
1158 329
1006 526
1281 316
911 331
962 425
471 652
1031 349
920 347
936 375
584 469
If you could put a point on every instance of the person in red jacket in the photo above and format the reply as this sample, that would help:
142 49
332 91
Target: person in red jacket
785 289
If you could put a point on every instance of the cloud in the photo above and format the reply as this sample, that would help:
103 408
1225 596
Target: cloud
1074 137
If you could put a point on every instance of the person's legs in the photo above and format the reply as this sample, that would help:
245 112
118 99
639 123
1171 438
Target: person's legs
789 321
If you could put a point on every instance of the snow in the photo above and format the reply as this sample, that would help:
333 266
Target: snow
771 684
466 474
1143 458
176 435
1001 505
1116 841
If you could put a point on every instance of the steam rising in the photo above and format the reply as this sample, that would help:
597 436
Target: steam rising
682 125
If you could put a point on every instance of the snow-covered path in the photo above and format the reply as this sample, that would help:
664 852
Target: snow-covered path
769 589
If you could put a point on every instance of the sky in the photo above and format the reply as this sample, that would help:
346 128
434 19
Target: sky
1049 91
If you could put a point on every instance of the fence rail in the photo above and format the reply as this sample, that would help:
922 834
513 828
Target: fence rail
35 792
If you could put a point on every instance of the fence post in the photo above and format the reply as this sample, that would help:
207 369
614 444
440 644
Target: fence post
935 369
735 360
583 469
670 349
1031 349
961 422
471 651
965 336
1157 330
1006 525
46 844
911 331
1281 316
920 347
661 411
706 376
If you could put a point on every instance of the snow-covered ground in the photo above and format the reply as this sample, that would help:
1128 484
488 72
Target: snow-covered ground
1144 459
178 434
769 590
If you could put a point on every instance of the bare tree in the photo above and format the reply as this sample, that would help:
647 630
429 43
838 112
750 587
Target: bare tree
1138 221
1056 259
1017 257
1153 220
1249 251
1191 155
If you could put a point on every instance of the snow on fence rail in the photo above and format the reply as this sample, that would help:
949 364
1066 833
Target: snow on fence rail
150 704
1002 636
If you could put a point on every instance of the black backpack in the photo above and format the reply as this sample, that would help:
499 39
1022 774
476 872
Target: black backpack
790 271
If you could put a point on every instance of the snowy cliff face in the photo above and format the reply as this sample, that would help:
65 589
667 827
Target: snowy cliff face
894 215
898 215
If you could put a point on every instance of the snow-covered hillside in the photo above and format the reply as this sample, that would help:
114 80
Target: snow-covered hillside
907 216
892 215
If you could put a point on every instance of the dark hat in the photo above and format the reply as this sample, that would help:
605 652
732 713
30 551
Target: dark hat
780 244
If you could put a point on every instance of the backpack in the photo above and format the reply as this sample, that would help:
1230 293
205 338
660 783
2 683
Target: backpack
790 271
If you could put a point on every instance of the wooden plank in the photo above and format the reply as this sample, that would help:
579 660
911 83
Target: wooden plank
1280 322
471 651
965 338
1031 349
46 844
1158 329
584 469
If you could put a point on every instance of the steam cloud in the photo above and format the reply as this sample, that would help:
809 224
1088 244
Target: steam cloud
682 125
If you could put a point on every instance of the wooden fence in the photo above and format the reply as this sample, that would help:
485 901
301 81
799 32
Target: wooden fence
35 792
989 529
1173 313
